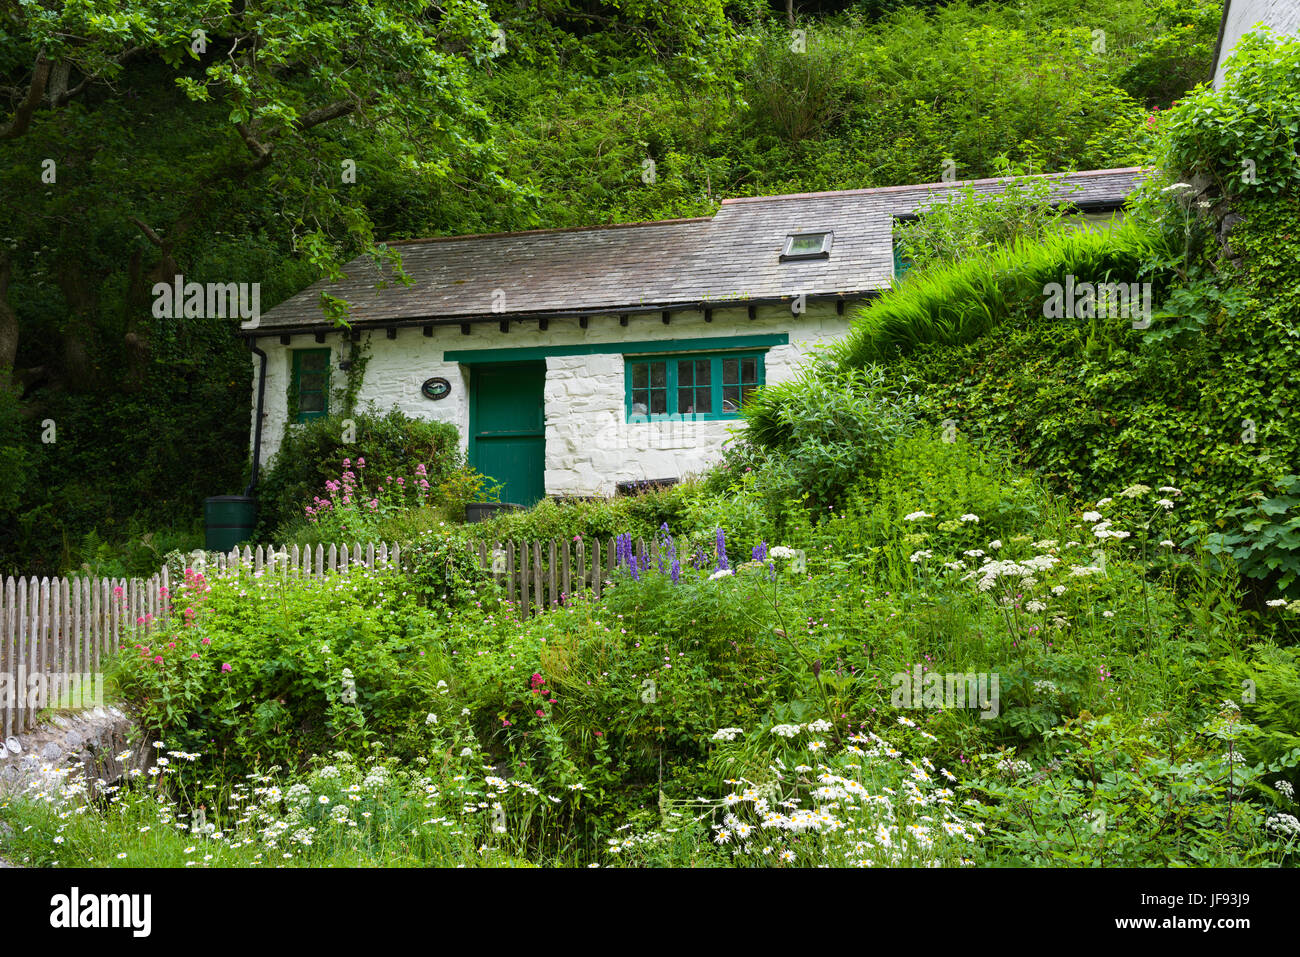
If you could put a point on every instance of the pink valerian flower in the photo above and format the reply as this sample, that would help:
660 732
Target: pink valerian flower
540 712
225 667
158 660
162 591
347 463
117 592
207 641
374 504
420 470
401 481
195 655
361 463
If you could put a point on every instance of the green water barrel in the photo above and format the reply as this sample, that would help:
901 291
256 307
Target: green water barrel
228 521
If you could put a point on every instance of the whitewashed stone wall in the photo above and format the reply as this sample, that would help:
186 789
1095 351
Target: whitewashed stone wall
1282 15
589 445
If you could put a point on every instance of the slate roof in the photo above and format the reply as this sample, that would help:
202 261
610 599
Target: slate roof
685 263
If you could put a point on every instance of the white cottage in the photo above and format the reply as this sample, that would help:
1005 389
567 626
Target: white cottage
578 361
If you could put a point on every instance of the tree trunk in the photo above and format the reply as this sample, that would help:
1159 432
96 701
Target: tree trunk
8 318
76 373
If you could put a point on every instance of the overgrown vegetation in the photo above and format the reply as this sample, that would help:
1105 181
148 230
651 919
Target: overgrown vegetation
151 413
989 586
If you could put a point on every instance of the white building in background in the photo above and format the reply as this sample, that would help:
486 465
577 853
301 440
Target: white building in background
578 361
1241 16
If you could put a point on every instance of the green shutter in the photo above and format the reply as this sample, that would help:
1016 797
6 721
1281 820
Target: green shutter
311 383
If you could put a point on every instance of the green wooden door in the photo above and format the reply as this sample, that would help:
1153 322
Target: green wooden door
508 427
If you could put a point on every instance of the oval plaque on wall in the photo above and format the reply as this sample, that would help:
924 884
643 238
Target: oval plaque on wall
436 388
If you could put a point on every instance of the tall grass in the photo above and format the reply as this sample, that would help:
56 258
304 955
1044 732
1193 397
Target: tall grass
959 303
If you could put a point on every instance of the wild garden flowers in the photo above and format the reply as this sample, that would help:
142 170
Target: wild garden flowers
866 806
351 505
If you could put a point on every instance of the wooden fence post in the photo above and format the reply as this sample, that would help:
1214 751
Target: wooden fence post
539 586
523 580
8 655
550 572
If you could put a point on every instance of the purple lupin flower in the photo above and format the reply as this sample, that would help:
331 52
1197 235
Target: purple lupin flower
721 544
760 552
676 569
666 550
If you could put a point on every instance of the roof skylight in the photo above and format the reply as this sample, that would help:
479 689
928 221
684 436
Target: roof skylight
810 245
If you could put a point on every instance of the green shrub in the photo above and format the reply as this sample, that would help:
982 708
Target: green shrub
259 670
1267 683
1125 793
830 429
798 94
967 223
443 572
950 479
313 453
1244 135
1263 538
638 515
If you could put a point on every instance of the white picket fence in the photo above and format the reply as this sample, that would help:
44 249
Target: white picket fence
56 631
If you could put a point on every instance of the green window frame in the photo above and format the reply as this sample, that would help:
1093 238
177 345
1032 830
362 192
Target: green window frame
311 383
698 386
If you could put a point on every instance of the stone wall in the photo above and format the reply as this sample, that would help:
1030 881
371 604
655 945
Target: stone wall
86 743
589 445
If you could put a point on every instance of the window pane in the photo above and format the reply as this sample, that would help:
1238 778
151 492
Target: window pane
314 361
730 398
807 244
311 382
311 402
717 385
